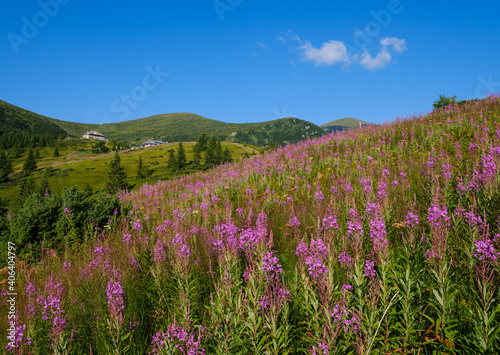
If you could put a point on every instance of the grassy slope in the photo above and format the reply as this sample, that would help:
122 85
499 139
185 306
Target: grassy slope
18 119
78 166
398 307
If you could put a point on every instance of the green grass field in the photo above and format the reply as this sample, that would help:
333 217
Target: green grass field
78 166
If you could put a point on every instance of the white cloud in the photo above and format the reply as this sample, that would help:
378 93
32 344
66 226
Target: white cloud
260 44
334 52
330 53
380 61
383 57
399 45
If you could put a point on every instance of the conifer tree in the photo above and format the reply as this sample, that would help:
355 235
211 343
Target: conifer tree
26 188
56 152
29 164
201 143
141 174
18 151
117 178
88 190
44 187
271 146
37 154
211 155
219 154
172 161
181 157
197 159
5 167
226 157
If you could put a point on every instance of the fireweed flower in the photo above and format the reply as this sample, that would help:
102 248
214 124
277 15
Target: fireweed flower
159 252
472 218
382 190
346 288
137 226
318 196
489 167
133 262
18 336
370 269
270 265
366 184
51 307
411 220
322 349
30 290
354 227
294 222
345 260
127 238
430 255
249 239
264 302
178 337
313 257
438 215
330 222
341 315
371 209
66 265
183 251
115 293
485 250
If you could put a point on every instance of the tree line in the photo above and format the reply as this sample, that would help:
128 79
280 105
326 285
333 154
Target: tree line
213 155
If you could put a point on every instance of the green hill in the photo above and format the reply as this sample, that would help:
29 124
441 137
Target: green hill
172 127
177 127
20 126
343 123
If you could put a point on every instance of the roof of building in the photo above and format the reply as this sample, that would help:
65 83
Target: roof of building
153 142
94 133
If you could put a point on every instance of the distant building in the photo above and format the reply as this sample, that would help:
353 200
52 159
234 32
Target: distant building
151 143
94 135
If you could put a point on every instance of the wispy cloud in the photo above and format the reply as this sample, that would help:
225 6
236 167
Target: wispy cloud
335 52
399 45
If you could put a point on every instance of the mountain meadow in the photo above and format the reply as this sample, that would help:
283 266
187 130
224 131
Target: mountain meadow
374 240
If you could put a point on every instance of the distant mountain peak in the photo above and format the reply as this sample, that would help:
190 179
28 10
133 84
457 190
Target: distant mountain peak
343 123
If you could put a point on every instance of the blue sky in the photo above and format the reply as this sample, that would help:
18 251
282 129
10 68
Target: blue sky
245 60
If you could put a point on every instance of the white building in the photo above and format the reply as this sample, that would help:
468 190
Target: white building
94 135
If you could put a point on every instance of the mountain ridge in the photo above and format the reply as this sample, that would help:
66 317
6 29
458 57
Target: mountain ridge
175 127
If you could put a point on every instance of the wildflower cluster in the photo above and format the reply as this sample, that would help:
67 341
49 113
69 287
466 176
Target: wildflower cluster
314 256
